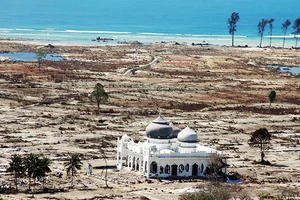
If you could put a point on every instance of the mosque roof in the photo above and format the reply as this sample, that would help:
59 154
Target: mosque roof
159 129
187 135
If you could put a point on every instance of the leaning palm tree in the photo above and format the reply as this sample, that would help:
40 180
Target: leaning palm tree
296 32
284 28
72 165
16 167
271 30
261 29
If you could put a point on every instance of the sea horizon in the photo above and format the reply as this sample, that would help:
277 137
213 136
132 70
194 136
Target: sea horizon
74 22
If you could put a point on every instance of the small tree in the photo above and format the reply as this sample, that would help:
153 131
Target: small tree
284 28
216 163
16 167
99 95
44 166
72 165
40 55
296 32
260 138
272 96
271 30
232 21
261 29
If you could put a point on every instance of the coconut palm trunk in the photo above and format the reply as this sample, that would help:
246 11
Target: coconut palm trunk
29 183
16 181
283 41
232 39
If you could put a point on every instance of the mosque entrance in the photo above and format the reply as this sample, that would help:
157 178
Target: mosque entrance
174 170
153 167
195 170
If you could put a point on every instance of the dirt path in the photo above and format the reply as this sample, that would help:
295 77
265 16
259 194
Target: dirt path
131 71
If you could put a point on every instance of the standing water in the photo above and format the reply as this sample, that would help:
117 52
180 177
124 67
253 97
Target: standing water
293 70
28 56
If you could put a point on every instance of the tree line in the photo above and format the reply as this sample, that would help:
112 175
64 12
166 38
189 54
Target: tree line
262 26
36 167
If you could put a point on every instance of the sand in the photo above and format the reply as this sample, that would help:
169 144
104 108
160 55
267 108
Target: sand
220 92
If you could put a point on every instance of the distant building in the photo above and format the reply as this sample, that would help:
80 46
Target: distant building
166 152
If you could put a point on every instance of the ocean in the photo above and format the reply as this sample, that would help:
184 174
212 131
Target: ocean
189 21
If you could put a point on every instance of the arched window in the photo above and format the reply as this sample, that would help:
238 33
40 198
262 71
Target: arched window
161 170
174 170
138 164
133 163
153 167
187 167
202 168
125 163
167 169
195 170
181 168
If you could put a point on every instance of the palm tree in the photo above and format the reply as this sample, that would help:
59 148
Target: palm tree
44 166
16 167
99 95
234 18
72 165
296 28
30 165
284 28
261 29
271 30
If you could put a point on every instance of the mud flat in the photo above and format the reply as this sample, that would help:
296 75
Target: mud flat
220 92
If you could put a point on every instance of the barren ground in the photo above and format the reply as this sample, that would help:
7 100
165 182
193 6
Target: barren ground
220 92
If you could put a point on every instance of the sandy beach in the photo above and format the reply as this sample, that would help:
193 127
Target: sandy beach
219 91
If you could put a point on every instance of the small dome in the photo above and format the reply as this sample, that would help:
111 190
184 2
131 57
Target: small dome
125 138
159 129
187 135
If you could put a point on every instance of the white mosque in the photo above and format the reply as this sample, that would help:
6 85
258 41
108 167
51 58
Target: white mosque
166 152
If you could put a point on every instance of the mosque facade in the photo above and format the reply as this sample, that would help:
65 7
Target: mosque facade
166 152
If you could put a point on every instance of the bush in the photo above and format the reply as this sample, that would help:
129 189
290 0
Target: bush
216 191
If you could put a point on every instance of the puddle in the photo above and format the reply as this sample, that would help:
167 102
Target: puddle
234 181
293 70
28 56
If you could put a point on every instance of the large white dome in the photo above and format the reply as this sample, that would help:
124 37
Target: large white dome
187 135
159 129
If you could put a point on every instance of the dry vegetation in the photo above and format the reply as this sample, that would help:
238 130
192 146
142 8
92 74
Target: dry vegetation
222 93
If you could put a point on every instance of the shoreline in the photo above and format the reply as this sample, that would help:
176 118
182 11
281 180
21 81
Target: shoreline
78 39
